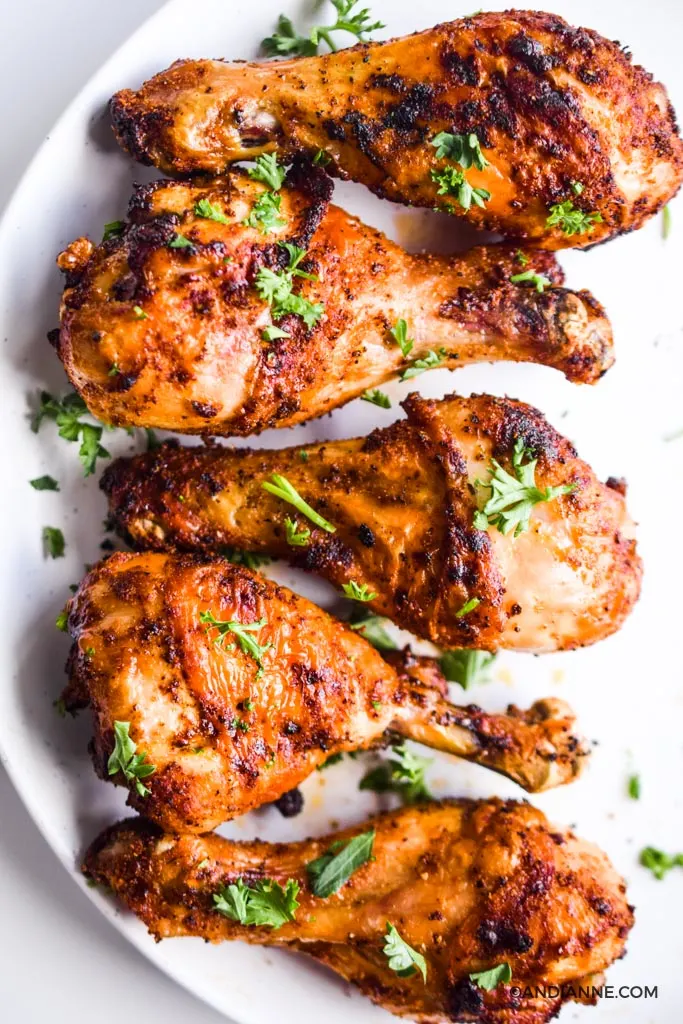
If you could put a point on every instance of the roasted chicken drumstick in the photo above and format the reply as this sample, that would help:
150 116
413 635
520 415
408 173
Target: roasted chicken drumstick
405 524
468 885
563 139
235 690
157 335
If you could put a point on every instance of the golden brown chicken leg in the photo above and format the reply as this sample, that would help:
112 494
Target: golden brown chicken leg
468 885
157 336
561 114
402 504
233 716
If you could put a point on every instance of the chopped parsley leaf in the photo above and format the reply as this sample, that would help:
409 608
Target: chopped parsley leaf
399 333
428 362
250 559
357 592
210 211
403 774
281 488
61 622
377 397
269 171
264 904
272 332
265 213
331 870
180 242
275 288
634 787
140 313
493 977
242 631
539 281
66 413
296 537
403 959
112 229
124 759
44 483
371 628
286 41
452 182
666 222
53 542
468 607
658 862
467 668
512 498
571 220
464 149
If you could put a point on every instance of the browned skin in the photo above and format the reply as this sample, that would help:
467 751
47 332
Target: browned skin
551 105
468 884
402 501
224 739
172 338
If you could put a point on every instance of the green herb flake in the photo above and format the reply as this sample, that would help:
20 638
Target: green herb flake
404 774
281 488
467 668
115 370
322 158
377 397
371 628
287 42
265 213
521 258
44 483
125 759
112 229
452 182
428 362
512 498
570 220
358 592
210 211
269 171
403 959
468 607
666 222
66 413
61 622
53 542
493 977
539 281
249 559
295 537
140 313
658 862
634 787
265 904
180 242
242 631
272 333
275 288
464 149
334 868
399 333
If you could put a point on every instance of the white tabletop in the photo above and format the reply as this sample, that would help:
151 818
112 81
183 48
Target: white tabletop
59 960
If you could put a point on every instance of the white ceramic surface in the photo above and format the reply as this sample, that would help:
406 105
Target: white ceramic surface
627 691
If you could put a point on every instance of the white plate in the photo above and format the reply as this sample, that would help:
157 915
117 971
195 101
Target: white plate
627 690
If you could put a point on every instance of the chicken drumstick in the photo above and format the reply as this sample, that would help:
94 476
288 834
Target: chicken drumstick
165 325
404 522
234 690
563 139
468 885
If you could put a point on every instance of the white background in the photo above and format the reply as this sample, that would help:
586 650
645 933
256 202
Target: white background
60 961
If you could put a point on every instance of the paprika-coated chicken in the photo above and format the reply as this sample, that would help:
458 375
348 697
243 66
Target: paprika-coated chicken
469 885
235 689
412 523
180 338
560 116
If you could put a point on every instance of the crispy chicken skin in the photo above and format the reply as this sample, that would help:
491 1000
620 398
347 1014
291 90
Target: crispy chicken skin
468 884
173 338
551 105
224 738
402 501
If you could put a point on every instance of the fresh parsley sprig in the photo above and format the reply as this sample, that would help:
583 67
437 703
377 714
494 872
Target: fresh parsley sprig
275 288
539 281
658 862
371 628
404 775
464 149
53 541
451 179
512 498
377 397
468 607
124 759
358 591
286 41
493 977
452 182
210 211
399 333
298 538
429 361
267 169
466 668
66 412
330 871
571 220
264 904
44 483
280 487
403 959
242 631
265 213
